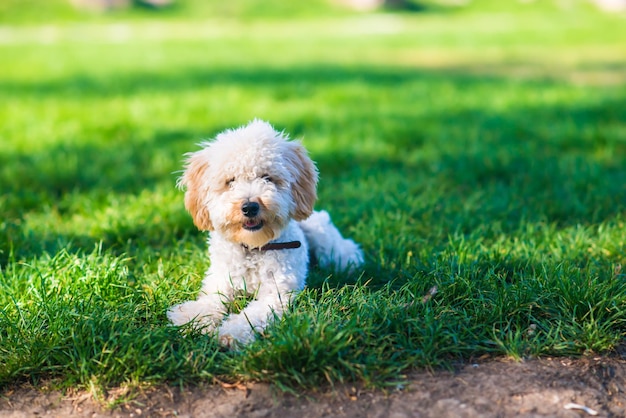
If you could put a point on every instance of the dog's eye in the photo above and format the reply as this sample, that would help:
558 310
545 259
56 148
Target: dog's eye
229 182
267 178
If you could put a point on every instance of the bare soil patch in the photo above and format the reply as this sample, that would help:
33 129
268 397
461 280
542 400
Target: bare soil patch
550 387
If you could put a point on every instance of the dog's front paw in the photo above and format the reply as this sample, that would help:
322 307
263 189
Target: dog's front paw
195 312
228 341
177 315
235 334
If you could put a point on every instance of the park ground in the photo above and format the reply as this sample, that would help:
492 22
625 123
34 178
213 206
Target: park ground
549 387
476 151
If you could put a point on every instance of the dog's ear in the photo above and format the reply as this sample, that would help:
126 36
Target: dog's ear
304 188
195 182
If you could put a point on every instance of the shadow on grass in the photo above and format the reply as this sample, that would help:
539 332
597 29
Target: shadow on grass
292 80
113 163
445 171
85 177
283 81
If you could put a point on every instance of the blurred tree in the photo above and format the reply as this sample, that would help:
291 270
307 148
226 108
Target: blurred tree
365 5
104 5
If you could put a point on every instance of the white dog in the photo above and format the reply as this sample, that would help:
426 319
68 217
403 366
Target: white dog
254 189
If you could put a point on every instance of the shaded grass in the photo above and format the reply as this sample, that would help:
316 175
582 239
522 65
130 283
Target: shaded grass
504 191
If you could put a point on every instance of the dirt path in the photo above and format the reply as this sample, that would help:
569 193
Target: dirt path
537 388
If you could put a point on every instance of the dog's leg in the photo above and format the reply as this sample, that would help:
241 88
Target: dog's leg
328 246
208 311
241 329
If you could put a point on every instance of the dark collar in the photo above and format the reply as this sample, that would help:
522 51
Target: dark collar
275 246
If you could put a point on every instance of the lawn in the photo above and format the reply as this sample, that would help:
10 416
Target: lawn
478 155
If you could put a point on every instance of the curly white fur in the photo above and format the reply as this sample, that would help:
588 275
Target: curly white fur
252 186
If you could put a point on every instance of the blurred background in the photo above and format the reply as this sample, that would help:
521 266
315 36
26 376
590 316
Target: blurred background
21 11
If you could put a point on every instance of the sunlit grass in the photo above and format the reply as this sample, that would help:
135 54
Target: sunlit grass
479 159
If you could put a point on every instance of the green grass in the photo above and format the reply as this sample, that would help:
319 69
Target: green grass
481 151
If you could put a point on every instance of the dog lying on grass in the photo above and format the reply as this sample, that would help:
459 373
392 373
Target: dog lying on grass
254 190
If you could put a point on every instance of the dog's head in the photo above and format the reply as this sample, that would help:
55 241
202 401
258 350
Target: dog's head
248 183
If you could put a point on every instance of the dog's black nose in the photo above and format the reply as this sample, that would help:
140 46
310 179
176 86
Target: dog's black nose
250 209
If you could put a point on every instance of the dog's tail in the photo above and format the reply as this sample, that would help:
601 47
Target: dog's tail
329 248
